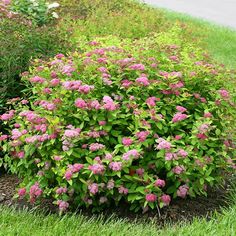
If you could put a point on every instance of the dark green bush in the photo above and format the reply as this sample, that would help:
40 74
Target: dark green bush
20 42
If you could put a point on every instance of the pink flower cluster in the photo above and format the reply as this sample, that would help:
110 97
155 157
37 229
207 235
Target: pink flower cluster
95 147
140 67
151 101
151 197
47 105
61 190
142 135
123 190
179 117
93 188
143 81
37 79
109 103
72 169
182 191
163 144
7 116
160 183
166 199
115 166
97 169
63 205
178 170
127 141
35 192
131 153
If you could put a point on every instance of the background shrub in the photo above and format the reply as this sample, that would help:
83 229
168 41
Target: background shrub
20 41
121 120
40 12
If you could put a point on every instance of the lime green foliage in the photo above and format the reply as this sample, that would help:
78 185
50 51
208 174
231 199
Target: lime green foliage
123 18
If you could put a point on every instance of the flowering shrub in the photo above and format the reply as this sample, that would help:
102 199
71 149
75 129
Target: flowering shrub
39 12
136 121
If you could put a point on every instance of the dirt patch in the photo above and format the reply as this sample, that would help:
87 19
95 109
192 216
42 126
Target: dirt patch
179 210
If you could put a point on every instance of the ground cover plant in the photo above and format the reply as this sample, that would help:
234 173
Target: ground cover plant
122 120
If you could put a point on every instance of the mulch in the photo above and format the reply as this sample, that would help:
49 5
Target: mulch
179 210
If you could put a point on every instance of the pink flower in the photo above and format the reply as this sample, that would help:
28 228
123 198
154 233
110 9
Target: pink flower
134 153
127 141
142 135
67 70
163 144
7 116
21 154
140 67
178 170
224 93
97 169
3 137
47 90
22 192
169 156
151 101
151 197
110 184
61 190
24 102
94 105
182 191
102 122
179 117
203 128
85 89
181 109
77 167
115 166
37 79
55 82
108 156
166 199
96 146
35 192
201 136
140 171
123 190
62 205
207 115
109 103
80 103
68 175
143 81
59 56
103 69
160 183
93 188
126 83
178 137
182 153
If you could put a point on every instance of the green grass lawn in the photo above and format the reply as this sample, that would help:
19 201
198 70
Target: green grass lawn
218 40
221 43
